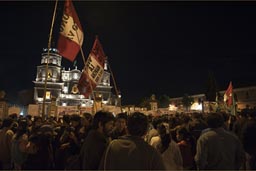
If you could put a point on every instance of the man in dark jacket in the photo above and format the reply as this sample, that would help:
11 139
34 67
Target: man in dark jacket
218 149
131 152
96 141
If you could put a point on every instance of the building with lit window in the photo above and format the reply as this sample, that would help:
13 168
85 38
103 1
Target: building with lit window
245 97
61 85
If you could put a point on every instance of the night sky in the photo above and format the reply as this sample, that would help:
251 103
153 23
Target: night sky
153 47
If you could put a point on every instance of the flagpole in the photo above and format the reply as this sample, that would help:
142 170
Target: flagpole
114 82
233 103
82 53
48 54
86 72
85 64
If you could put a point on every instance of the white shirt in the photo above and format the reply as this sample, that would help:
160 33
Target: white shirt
171 156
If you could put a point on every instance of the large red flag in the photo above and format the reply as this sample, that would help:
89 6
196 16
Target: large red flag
71 34
228 96
93 71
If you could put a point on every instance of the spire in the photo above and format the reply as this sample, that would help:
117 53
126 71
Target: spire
106 64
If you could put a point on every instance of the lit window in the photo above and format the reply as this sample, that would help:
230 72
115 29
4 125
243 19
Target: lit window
65 89
196 106
75 76
48 95
172 107
40 99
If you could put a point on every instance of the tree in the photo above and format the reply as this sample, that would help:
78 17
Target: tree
145 103
211 88
26 97
187 101
164 101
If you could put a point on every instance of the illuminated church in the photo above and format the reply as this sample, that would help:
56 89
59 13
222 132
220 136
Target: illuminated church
61 86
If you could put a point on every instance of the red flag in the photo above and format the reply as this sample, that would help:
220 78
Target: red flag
97 50
71 34
93 70
228 96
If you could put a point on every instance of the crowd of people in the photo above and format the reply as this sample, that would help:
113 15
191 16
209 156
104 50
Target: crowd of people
213 141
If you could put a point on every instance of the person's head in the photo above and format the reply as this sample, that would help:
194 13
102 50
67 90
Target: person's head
22 127
29 117
29 120
215 120
75 120
186 119
7 122
14 126
137 124
163 130
47 130
103 122
86 119
23 124
155 122
150 118
66 119
37 121
121 121
182 133
197 115
14 116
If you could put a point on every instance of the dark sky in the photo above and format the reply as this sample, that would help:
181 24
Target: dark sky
153 47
